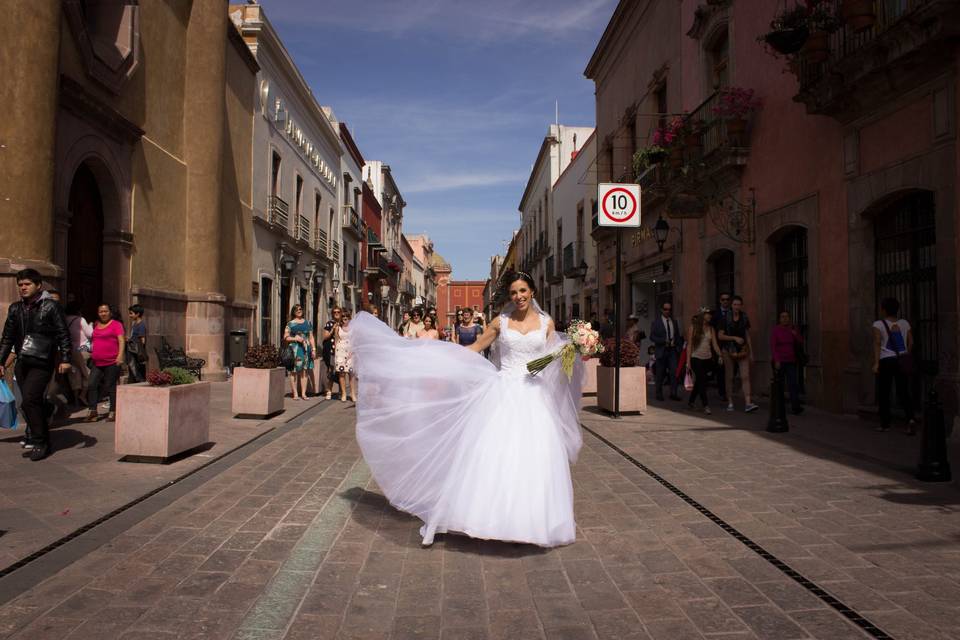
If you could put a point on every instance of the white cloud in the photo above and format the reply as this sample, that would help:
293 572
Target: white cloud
437 181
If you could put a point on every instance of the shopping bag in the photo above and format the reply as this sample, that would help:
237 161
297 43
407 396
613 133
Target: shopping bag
688 381
8 407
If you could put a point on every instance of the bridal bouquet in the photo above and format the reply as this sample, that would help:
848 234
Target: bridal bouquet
584 342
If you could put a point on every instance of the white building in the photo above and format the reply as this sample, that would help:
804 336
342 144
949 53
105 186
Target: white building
575 253
379 177
296 186
538 249
351 218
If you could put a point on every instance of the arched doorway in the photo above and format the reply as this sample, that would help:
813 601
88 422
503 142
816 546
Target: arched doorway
85 242
906 269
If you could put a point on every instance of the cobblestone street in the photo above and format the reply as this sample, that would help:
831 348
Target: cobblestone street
294 541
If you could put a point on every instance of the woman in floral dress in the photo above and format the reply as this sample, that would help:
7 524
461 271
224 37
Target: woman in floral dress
299 333
343 358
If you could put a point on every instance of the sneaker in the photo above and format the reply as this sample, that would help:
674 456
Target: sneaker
730 407
750 408
329 396
707 411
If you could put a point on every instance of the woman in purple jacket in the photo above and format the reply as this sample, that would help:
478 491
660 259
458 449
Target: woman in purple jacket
785 339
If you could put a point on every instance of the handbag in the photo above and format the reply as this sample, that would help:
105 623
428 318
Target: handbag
688 381
288 356
904 358
8 407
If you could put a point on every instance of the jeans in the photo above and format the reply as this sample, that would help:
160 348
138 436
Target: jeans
666 366
33 382
106 376
889 373
135 369
791 375
701 369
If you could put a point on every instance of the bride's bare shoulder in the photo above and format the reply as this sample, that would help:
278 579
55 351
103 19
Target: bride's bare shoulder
495 324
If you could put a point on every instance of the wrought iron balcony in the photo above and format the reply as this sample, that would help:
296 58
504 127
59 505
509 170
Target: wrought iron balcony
335 251
574 260
554 275
907 45
396 261
278 212
303 229
350 274
352 222
320 241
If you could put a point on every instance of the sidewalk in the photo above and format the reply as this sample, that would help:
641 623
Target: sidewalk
83 480
296 542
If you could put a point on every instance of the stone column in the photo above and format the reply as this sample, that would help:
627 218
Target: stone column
29 57
204 110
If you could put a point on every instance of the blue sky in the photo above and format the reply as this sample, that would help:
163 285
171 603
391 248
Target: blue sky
455 96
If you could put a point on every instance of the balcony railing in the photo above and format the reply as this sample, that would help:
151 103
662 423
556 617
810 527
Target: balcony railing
303 229
554 276
278 212
904 47
350 274
376 262
397 259
320 241
409 289
352 222
573 257
335 251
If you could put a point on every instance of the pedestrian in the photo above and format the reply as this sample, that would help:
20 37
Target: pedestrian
703 352
719 318
893 363
402 329
80 333
607 328
634 333
734 338
137 344
467 332
344 358
415 325
459 320
36 328
106 356
429 331
785 342
667 339
299 334
327 345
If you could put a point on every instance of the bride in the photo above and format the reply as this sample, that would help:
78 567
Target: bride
464 445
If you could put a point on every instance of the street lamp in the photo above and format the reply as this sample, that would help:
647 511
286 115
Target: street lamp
660 232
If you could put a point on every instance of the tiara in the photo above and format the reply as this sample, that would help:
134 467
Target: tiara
524 274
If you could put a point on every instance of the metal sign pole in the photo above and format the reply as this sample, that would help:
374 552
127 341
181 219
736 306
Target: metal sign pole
616 320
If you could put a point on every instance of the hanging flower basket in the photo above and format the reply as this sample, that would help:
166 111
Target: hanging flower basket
787 41
859 15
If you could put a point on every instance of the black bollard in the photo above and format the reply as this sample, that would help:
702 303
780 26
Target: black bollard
934 465
778 408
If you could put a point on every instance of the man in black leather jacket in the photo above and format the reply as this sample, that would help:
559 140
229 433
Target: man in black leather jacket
41 317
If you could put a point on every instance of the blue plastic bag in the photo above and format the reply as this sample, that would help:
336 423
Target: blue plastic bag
8 407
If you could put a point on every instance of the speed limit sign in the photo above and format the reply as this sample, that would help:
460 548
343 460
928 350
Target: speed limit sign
619 205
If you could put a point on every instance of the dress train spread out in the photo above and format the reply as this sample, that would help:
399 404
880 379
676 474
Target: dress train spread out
465 446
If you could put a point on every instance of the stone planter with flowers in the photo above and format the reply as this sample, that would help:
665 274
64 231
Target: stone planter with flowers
165 416
258 385
633 378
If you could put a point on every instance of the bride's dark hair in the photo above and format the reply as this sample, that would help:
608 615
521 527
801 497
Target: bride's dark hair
515 276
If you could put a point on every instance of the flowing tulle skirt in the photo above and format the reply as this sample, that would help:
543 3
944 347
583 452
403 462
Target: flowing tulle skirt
463 446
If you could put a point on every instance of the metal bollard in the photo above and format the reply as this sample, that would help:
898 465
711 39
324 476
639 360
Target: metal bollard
934 465
778 408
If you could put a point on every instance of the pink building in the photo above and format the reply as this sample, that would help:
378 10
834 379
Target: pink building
840 192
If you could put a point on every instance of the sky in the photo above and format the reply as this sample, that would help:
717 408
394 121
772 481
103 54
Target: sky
455 96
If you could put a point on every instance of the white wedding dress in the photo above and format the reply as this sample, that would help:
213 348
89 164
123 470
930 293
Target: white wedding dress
465 446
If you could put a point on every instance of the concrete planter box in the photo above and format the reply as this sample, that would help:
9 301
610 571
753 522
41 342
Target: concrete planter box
161 422
318 375
590 376
258 392
633 388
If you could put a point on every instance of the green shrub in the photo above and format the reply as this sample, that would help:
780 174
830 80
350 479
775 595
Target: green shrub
179 376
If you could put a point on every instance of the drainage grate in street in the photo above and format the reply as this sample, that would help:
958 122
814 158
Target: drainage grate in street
841 608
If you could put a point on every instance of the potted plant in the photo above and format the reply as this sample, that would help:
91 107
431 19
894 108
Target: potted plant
734 106
162 417
821 22
258 383
788 31
860 15
633 377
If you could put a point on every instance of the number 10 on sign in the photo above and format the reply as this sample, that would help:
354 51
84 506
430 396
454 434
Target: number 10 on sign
619 205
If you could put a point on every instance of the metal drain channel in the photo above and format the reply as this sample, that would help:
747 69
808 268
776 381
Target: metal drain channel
865 625
36 555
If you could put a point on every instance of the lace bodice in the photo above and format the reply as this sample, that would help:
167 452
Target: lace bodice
517 349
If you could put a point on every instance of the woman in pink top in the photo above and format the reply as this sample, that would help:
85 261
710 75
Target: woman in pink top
106 356
785 339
